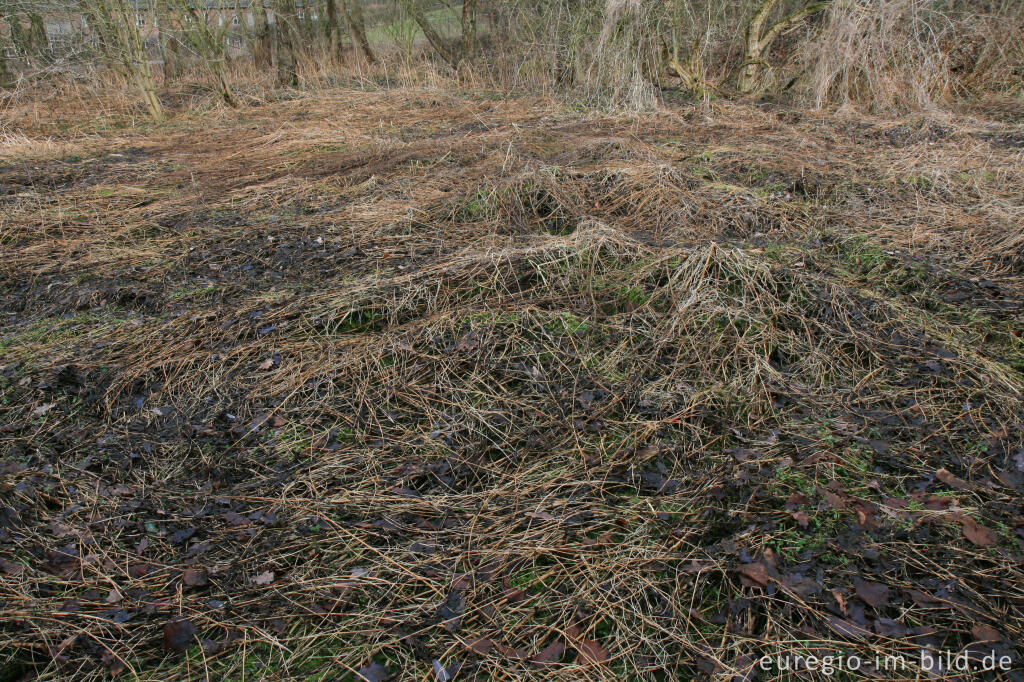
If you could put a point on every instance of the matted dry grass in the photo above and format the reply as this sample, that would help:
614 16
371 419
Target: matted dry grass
424 381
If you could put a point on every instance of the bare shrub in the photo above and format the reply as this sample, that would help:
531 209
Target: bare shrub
907 54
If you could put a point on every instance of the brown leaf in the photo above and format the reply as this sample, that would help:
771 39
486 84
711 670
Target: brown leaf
865 514
481 646
923 599
267 364
591 653
755 574
178 634
114 596
114 664
138 570
796 500
837 502
844 627
952 481
889 628
985 633
875 594
975 532
192 577
745 454
11 567
841 601
511 652
551 653
515 596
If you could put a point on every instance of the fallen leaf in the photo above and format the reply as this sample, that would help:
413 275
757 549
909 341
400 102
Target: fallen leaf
43 409
114 664
755 574
375 672
802 518
11 567
795 500
267 364
192 577
591 653
952 481
178 634
511 652
844 627
264 578
481 646
923 599
841 601
138 570
515 596
975 532
889 628
114 596
837 502
985 633
865 514
875 594
551 653
211 648
745 454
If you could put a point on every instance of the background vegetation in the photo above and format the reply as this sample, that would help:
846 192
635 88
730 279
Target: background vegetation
887 55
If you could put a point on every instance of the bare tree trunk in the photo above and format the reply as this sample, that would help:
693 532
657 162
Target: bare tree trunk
333 37
468 28
283 44
144 78
441 47
114 23
37 37
17 33
758 41
689 71
260 44
357 27
6 74
208 34
220 74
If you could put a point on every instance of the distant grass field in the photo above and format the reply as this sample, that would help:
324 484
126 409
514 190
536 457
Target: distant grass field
385 30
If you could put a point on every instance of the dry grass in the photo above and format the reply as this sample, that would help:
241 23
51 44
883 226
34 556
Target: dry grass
909 55
405 376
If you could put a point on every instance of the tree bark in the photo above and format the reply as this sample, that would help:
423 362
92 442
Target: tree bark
357 28
757 42
468 28
441 47
284 55
114 23
6 74
259 43
333 37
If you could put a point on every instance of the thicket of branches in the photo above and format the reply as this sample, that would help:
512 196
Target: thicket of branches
886 54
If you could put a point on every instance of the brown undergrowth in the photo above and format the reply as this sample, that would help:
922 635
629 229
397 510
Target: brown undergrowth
426 385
